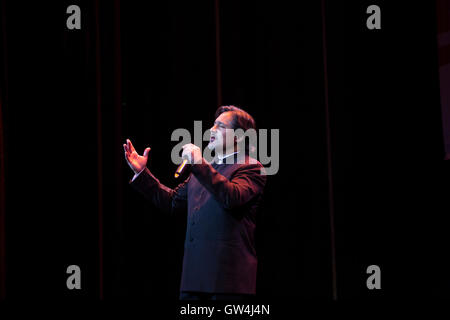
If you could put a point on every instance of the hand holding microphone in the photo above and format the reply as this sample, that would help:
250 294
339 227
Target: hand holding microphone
191 154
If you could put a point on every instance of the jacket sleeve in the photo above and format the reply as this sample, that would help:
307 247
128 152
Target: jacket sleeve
164 198
246 183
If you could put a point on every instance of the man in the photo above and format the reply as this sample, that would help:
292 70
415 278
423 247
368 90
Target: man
221 199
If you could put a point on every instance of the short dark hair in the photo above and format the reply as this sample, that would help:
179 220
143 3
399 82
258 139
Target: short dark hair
241 120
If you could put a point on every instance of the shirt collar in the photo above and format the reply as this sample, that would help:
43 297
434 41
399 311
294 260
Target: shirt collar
220 161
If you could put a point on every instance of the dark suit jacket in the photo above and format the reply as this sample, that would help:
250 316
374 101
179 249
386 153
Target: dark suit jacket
221 202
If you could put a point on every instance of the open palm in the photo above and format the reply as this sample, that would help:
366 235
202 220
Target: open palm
134 160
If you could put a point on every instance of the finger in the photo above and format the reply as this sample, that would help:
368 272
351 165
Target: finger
127 150
130 146
146 151
183 155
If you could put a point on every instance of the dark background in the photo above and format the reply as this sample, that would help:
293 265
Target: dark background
139 70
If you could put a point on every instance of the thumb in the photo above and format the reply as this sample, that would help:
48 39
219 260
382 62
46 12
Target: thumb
146 151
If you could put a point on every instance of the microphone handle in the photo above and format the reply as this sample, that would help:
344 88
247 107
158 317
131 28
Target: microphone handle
181 168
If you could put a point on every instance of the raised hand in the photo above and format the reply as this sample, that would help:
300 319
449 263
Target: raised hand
134 160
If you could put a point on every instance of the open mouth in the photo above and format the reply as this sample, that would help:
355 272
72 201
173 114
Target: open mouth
212 139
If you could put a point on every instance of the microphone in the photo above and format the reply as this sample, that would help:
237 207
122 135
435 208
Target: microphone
181 168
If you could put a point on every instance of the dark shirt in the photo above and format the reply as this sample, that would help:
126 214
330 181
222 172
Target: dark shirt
221 201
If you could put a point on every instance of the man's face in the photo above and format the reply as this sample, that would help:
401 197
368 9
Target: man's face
219 131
